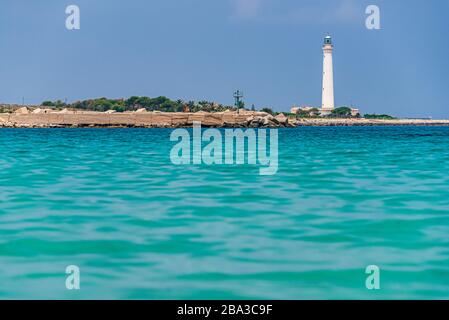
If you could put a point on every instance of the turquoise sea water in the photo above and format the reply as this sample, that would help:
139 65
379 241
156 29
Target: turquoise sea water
139 227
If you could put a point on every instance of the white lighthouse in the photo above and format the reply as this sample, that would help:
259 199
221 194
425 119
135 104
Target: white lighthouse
328 77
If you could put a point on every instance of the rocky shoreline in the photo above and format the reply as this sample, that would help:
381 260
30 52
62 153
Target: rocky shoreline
369 122
45 118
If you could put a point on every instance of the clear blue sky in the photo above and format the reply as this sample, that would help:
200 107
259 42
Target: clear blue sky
199 49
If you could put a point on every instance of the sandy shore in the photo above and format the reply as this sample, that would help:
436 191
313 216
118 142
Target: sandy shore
176 120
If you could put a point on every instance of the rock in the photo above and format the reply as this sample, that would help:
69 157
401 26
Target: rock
256 121
110 111
180 120
66 118
281 118
265 121
269 120
23 110
292 123
213 120
141 110
40 111
161 119
245 112
66 111
254 124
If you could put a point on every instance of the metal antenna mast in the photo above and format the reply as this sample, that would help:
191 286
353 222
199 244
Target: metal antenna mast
238 96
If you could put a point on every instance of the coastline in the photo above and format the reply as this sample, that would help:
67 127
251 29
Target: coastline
370 122
243 119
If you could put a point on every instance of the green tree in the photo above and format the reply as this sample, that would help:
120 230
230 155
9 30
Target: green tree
379 116
341 112
314 112
268 110
119 108
48 104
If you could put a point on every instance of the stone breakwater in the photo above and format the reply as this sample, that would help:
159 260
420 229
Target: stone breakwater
370 122
141 119
245 119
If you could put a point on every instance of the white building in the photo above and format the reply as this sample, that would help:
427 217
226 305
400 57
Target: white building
294 110
328 99
328 102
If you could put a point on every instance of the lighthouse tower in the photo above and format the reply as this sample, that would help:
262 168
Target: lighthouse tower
328 77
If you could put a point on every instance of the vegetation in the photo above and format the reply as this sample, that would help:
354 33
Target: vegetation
379 116
268 110
241 105
162 104
165 104
312 113
341 112
58 104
